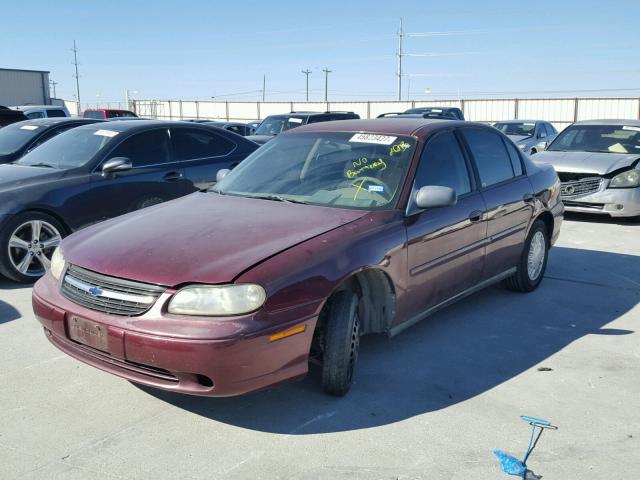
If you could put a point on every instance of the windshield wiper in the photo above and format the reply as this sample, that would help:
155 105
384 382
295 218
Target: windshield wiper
47 165
277 198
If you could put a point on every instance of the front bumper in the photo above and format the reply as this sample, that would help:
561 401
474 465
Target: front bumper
617 202
201 357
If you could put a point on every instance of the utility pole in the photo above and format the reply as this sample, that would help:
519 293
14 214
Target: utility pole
75 62
399 73
264 86
53 84
307 73
326 83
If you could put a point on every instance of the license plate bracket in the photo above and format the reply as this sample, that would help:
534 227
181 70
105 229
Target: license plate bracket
89 333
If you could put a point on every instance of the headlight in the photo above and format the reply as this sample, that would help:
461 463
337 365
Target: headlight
630 178
217 300
57 263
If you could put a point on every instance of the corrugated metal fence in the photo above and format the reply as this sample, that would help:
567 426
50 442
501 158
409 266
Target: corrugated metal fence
560 111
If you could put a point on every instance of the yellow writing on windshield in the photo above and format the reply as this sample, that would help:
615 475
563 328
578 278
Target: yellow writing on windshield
399 148
379 165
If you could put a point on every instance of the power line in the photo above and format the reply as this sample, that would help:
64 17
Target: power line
307 72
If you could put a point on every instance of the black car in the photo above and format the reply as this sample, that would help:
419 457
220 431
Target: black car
9 116
446 113
276 124
243 129
99 171
22 137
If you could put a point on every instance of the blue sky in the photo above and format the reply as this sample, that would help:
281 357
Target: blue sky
198 49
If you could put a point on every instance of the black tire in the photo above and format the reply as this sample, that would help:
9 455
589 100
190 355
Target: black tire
17 224
521 281
342 342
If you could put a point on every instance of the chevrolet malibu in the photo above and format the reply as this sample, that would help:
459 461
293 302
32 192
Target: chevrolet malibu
598 162
329 232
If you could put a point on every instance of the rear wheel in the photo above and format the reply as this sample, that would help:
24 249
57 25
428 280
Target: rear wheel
533 261
27 243
341 343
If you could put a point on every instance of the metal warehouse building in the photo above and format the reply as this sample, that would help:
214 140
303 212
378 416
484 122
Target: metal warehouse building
22 87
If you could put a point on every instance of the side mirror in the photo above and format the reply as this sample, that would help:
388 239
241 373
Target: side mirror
221 174
434 196
117 164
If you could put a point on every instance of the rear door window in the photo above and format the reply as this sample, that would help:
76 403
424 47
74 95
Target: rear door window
193 144
490 155
146 148
56 112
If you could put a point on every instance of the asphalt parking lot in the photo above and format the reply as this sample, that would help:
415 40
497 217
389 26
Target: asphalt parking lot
430 403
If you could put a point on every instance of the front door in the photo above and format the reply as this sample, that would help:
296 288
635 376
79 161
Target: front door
445 245
154 178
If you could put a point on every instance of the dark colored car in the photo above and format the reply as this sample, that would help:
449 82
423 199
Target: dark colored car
452 113
107 113
329 232
235 127
22 137
276 124
8 116
99 171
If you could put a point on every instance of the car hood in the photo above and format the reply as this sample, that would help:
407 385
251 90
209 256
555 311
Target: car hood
519 138
587 162
200 238
13 176
260 139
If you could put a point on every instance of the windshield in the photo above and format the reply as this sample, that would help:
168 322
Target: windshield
71 149
15 136
361 170
519 129
598 138
278 124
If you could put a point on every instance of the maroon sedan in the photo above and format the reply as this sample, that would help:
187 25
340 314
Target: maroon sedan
329 232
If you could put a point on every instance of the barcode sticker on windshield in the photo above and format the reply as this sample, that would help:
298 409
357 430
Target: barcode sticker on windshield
372 138
29 127
635 129
295 120
106 133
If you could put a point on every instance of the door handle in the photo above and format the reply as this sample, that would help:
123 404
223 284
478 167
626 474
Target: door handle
475 216
172 176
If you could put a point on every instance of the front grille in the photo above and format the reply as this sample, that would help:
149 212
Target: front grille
579 187
109 294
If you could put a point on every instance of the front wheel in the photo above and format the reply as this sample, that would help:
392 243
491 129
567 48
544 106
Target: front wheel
27 243
533 261
341 343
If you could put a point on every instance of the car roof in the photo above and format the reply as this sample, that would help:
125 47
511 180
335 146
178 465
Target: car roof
24 107
521 121
48 122
621 122
106 110
418 127
127 125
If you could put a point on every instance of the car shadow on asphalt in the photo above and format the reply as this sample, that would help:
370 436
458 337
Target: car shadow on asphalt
459 353
603 219
8 312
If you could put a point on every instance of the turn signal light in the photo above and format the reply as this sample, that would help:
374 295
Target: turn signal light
287 333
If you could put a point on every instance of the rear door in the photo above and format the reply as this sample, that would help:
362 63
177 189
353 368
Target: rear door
445 245
202 152
155 177
507 193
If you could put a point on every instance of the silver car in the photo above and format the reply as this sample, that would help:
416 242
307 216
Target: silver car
598 162
531 136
